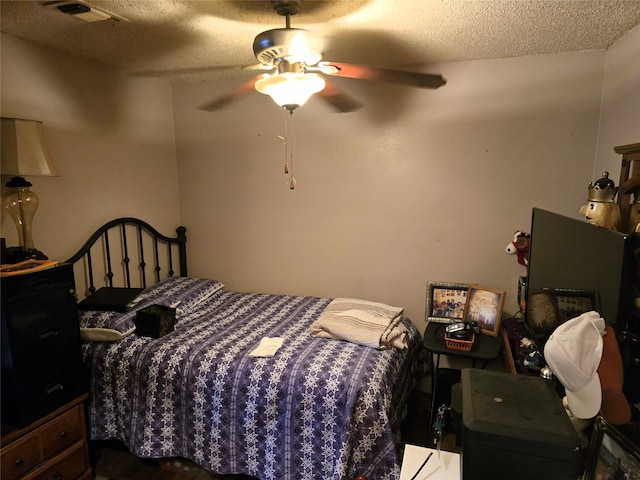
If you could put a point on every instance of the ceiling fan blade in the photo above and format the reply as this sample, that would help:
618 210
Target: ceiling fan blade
236 94
257 66
339 100
198 72
405 77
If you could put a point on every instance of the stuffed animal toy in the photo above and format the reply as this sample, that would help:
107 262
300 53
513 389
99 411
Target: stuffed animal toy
520 246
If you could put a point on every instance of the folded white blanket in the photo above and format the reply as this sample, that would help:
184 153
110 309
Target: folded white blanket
268 347
372 324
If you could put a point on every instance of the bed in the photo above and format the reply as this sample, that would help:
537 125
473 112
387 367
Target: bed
216 390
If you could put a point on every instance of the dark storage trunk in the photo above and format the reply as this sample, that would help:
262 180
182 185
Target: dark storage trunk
515 427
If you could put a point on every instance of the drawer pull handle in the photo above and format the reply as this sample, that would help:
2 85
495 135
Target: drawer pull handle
57 476
19 462
41 284
63 434
48 333
54 387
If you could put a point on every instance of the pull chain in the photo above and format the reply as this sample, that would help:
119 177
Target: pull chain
289 134
284 141
286 144
288 148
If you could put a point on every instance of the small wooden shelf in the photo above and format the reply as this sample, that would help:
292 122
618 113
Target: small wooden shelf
629 182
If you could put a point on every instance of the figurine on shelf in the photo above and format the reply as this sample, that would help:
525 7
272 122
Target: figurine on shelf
527 344
602 210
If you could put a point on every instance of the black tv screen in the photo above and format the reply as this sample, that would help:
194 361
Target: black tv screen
570 254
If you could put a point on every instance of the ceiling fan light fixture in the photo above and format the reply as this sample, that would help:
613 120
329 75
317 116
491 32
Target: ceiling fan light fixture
290 90
290 44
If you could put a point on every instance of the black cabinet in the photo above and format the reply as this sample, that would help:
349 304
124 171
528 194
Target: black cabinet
41 347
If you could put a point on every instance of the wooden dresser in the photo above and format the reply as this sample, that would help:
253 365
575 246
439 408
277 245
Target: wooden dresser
53 447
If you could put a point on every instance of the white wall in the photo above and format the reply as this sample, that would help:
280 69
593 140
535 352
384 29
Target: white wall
111 138
417 186
620 114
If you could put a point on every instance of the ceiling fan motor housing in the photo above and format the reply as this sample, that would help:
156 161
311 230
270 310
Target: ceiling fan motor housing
291 44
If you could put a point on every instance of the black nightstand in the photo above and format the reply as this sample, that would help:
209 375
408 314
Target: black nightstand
485 349
41 348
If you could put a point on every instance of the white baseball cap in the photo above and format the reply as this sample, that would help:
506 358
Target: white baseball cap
573 353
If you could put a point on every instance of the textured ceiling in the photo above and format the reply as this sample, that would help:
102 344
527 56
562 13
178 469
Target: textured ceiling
206 39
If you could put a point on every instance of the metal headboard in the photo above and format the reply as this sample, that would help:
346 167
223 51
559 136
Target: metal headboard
119 252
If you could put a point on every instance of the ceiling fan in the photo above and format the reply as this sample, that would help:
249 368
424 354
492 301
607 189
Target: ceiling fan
293 60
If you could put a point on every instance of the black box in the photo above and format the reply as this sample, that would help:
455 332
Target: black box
155 321
515 427
111 299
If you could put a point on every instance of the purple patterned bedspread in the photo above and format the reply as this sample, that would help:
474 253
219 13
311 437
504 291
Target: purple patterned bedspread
321 409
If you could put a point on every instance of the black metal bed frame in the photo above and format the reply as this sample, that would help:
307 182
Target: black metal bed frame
143 233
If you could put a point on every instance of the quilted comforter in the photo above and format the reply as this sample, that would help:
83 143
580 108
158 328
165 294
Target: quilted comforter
318 409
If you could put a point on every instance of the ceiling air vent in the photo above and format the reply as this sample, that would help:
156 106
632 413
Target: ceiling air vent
83 11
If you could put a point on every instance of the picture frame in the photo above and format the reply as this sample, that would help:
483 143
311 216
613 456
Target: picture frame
484 305
611 455
542 313
572 303
548 308
445 302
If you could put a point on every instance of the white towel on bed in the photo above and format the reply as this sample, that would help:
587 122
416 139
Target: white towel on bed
268 347
372 324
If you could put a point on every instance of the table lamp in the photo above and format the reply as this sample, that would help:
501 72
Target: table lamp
24 153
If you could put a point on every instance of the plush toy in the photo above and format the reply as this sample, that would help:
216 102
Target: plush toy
520 246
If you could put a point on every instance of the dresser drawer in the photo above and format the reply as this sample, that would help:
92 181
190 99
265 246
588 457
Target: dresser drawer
38 323
62 432
67 466
52 448
31 285
20 457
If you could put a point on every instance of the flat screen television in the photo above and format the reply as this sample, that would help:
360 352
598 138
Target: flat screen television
568 255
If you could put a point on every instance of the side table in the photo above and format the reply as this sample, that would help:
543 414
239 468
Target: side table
485 348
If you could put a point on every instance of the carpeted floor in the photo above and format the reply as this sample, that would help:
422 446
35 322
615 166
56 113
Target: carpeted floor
116 464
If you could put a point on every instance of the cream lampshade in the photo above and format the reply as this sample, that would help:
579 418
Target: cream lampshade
24 153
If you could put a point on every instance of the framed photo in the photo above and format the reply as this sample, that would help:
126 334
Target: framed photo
611 456
445 302
573 303
542 312
548 308
484 305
